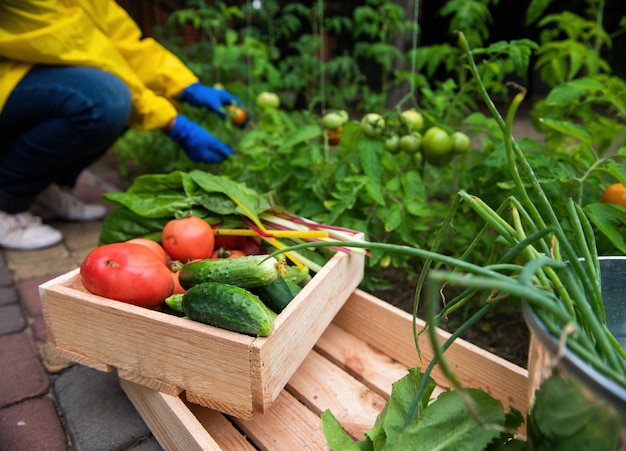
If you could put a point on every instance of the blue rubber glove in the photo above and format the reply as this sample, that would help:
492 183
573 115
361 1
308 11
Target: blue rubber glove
198 144
197 94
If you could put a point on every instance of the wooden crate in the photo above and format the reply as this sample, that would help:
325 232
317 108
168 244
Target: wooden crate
366 348
227 371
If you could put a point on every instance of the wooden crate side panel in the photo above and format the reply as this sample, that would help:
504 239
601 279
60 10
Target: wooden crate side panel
391 330
174 426
321 385
287 425
168 349
311 311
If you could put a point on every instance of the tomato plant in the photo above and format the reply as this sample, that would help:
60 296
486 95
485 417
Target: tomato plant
413 120
460 142
437 146
332 121
411 143
615 194
372 125
238 115
268 100
153 246
188 238
127 272
343 114
392 144
333 136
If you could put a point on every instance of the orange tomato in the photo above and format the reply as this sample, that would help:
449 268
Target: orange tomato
614 194
237 115
178 289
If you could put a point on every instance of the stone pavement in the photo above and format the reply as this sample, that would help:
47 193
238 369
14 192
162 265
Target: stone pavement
46 402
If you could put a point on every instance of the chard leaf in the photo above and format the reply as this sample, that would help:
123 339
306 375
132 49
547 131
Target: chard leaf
151 205
390 422
122 224
447 424
251 201
336 436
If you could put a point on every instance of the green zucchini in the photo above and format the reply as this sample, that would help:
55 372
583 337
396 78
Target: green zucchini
245 272
276 295
228 307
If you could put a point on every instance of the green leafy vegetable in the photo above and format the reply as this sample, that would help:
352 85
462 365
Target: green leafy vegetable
443 423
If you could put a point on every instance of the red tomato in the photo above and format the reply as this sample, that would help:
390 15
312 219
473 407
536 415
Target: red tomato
154 246
253 246
334 137
222 252
229 241
188 238
127 272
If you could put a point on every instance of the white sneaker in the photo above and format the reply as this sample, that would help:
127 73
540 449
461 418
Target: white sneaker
65 205
23 231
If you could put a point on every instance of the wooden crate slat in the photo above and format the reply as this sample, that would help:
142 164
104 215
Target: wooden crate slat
321 385
360 359
391 330
169 419
287 425
219 426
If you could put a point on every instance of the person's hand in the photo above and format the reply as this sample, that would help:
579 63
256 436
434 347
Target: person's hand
198 144
197 94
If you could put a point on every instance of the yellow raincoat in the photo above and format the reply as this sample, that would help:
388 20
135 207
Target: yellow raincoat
94 33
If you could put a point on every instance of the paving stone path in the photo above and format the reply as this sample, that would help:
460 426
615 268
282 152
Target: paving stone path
46 402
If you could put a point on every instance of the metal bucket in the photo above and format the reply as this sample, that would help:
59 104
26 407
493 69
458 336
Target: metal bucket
567 373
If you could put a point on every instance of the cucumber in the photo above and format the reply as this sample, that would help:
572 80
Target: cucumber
245 272
173 304
297 275
276 295
228 307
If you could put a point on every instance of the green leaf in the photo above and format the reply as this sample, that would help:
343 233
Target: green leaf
369 154
563 417
122 224
151 205
573 90
302 135
568 128
447 424
390 422
610 220
336 436
250 202
374 189
393 217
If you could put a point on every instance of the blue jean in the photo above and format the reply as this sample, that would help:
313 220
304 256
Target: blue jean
57 121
